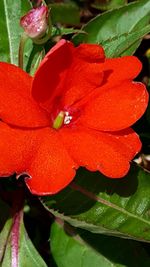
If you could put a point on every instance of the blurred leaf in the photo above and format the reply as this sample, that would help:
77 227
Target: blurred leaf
119 207
86 250
119 31
108 4
10 30
66 13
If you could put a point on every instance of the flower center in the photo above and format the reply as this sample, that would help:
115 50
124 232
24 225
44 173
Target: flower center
63 117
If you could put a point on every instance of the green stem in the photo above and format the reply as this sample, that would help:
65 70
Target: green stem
23 39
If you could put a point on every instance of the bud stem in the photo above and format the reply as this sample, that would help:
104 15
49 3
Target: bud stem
23 39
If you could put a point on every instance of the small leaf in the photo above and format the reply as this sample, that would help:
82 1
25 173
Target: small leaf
119 31
83 249
10 30
118 207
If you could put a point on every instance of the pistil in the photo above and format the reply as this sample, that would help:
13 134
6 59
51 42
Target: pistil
59 120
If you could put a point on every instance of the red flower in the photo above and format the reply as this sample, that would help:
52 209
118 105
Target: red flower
76 111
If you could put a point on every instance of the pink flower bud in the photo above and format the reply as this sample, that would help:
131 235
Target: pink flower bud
35 22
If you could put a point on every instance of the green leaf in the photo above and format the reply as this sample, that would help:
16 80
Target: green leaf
119 31
108 4
10 30
64 31
71 248
16 249
28 255
119 207
66 13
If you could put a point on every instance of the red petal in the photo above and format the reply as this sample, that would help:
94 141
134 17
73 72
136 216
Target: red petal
90 53
128 142
17 149
85 73
38 153
68 72
48 81
110 154
115 108
52 168
120 69
16 104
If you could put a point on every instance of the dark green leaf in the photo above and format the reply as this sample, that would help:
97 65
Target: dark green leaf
10 29
119 31
66 13
116 207
69 248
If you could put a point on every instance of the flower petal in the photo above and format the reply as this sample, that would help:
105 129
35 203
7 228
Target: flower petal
91 53
17 149
85 73
38 153
52 168
48 81
128 141
121 69
68 72
115 108
106 152
16 104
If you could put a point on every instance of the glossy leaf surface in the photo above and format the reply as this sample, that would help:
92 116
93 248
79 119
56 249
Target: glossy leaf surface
120 30
116 207
83 249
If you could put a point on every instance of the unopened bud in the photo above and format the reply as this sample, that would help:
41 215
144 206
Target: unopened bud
35 22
